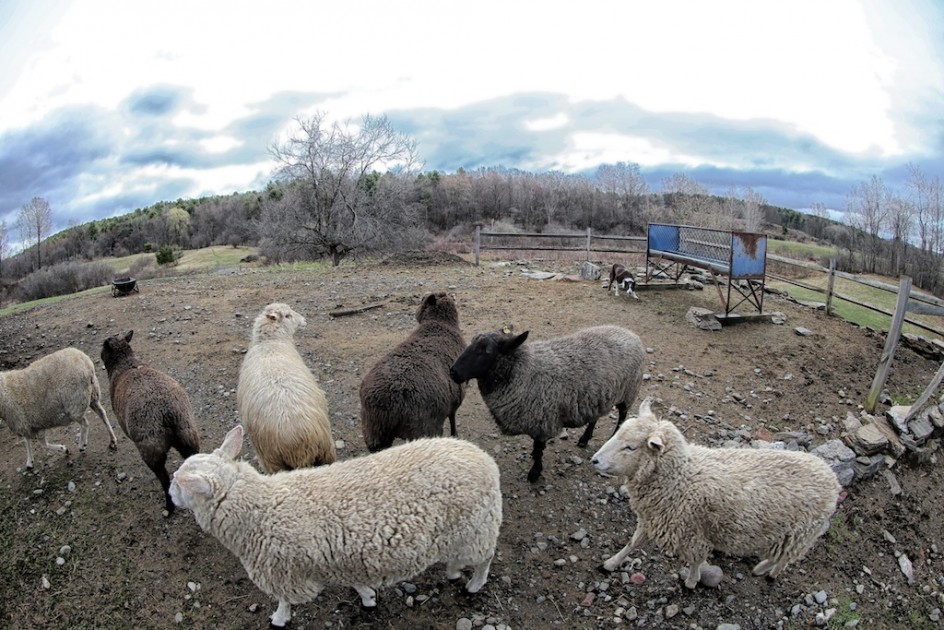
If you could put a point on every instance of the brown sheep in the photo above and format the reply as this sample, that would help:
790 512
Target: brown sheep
408 393
152 409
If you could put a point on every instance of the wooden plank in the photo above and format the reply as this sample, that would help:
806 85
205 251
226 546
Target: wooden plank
926 395
891 343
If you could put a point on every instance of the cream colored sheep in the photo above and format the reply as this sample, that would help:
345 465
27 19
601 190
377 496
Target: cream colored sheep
365 522
280 403
53 391
690 500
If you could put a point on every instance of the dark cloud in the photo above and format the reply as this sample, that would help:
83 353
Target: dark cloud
43 160
76 152
161 101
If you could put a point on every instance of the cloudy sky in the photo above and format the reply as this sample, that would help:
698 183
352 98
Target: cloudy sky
108 106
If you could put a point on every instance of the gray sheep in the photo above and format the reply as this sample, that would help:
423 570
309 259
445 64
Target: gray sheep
52 391
408 393
152 408
691 500
537 389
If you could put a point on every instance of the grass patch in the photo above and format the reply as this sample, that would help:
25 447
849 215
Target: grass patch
803 251
844 614
214 257
861 293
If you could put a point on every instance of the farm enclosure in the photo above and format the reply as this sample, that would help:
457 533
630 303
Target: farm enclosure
128 566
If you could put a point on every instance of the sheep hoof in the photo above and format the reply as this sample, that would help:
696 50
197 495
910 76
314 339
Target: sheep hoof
366 607
113 446
534 475
582 443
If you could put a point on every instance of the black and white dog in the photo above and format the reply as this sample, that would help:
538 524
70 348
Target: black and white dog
622 279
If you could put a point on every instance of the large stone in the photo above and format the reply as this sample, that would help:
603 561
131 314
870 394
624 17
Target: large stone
590 271
894 441
702 318
866 466
839 457
896 415
936 417
921 428
868 439
851 422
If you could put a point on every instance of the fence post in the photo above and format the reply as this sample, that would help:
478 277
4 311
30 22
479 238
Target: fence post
588 243
478 243
829 286
891 342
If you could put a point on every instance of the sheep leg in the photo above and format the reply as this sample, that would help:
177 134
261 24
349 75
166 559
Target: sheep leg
83 433
587 434
282 614
157 466
621 409
452 424
537 458
479 576
613 562
453 570
368 595
100 412
29 453
54 447
694 573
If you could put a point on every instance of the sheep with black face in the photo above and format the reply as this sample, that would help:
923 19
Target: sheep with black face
536 389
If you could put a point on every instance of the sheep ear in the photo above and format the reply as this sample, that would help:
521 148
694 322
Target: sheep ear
512 345
431 299
645 408
233 442
655 444
194 484
129 335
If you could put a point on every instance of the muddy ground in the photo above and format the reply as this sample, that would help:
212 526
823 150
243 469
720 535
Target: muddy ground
129 566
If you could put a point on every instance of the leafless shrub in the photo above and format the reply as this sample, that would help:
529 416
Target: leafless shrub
63 279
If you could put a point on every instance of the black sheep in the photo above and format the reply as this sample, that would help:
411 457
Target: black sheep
152 409
408 393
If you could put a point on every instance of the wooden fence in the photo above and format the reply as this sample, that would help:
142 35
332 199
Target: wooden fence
585 245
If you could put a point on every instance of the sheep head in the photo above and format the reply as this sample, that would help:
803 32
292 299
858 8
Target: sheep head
438 306
277 320
116 348
639 446
203 479
480 357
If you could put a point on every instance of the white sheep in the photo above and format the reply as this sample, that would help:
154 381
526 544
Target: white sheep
53 391
690 500
284 410
538 388
365 522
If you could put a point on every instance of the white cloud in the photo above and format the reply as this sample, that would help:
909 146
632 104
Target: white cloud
556 121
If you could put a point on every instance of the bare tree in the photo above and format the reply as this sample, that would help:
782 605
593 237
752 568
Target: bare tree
753 215
867 206
624 182
901 219
4 232
328 207
689 199
35 223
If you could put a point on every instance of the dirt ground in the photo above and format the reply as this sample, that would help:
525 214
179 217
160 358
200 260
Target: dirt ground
129 566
